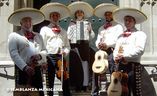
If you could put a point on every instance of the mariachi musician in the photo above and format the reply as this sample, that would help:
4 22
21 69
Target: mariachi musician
107 36
56 41
80 34
25 47
132 42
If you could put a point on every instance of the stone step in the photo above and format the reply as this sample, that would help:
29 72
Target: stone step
58 89
88 93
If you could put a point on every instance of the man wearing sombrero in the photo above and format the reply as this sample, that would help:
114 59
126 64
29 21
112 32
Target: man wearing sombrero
132 42
108 34
79 34
25 47
56 41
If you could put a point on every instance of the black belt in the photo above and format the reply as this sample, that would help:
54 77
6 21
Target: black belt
109 50
54 55
130 66
82 41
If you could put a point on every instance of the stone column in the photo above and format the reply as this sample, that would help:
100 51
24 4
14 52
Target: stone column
6 29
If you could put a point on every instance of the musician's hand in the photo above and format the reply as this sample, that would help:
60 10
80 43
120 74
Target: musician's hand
44 66
102 46
30 71
63 53
119 57
116 60
89 28
124 60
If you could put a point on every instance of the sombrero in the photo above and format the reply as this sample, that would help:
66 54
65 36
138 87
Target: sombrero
100 9
55 7
80 5
36 15
119 14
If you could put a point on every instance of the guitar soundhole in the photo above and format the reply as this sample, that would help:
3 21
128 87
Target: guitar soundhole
99 57
115 81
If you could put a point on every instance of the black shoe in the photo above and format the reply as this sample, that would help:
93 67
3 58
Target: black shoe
78 89
95 94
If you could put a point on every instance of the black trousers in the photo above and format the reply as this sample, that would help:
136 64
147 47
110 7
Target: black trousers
134 70
21 79
52 68
75 66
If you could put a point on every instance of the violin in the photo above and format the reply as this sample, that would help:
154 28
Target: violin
63 71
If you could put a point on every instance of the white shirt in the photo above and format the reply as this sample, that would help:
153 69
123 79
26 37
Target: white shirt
109 35
21 49
73 31
55 42
133 46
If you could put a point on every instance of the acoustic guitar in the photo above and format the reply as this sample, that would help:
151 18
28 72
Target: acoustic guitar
115 87
100 64
118 85
119 80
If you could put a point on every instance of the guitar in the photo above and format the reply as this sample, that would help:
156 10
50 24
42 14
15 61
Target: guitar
119 80
100 64
115 87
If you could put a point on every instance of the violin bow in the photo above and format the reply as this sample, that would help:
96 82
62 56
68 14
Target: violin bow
62 70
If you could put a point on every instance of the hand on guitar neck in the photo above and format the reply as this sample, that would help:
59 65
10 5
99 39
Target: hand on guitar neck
102 45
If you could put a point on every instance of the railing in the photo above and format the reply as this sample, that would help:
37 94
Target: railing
6 64
153 74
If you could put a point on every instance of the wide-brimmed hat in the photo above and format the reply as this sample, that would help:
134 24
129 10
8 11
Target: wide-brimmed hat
36 16
100 9
80 5
55 7
119 14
